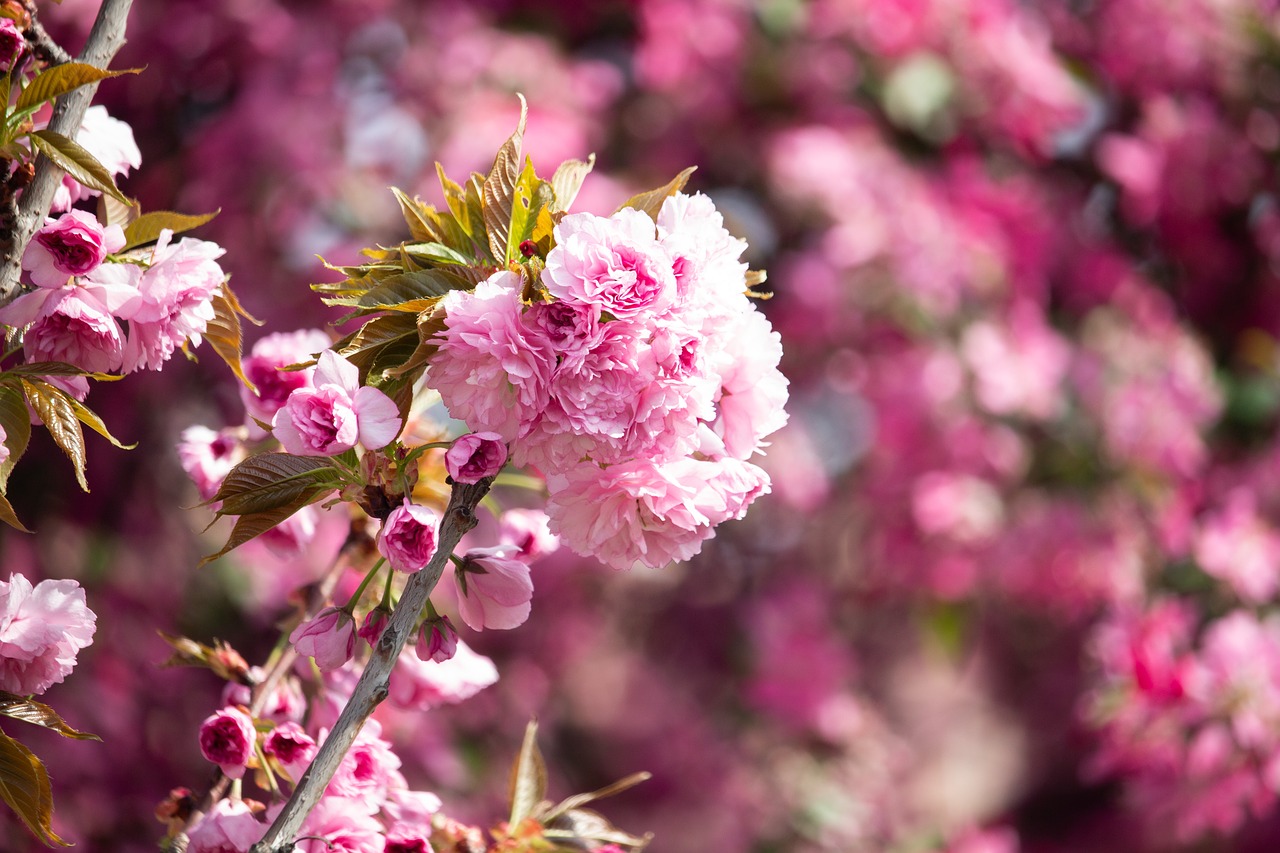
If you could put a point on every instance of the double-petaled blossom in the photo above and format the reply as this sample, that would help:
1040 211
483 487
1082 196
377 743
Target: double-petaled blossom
175 305
227 739
614 264
408 537
421 685
229 827
329 638
475 456
264 364
494 589
42 629
74 244
292 747
336 414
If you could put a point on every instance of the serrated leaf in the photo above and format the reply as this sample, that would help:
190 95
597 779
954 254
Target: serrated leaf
90 419
58 368
269 480
147 227
651 202
364 346
437 253
532 197
60 79
528 783
16 422
411 291
544 231
114 212
74 159
568 180
38 714
54 408
255 524
9 517
24 787
224 333
498 193
577 801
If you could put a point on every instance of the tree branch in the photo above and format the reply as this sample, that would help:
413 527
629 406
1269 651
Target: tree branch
105 39
459 517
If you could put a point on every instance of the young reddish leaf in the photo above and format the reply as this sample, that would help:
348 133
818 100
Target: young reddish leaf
255 524
528 783
16 422
270 480
412 291
59 368
55 408
38 714
113 212
72 158
24 786
568 180
224 333
364 346
651 202
9 517
532 196
60 79
498 192
147 227
90 418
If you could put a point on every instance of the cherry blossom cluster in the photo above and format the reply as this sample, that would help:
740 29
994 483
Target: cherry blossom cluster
641 382
42 629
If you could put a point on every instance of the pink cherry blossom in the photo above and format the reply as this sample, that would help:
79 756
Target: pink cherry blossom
289 744
494 590
340 825
367 769
111 143
72 327
42 629
437 641
475 456
329 638
1237 546
175 306
12 45
208 456
375 622
754 391
227 739
528 531
229 827
408 537
263 366
336 414
613 263
71 245
422 685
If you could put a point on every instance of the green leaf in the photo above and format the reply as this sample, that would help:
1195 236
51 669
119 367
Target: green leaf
651 202
568 180
465 206
53 406
58 368
270 480
224 333
532 196
112 212
16 421
411 291
498 193
90 419
255 524
24 786
147 227
9 517
60 79
436 253
38 714
72 158
528 783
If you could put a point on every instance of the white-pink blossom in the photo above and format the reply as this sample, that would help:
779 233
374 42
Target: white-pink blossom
111 143
528 531
494 589
176 300
753 390
1237 546
614 263
336 414
422 685
42 629
208 457
229 827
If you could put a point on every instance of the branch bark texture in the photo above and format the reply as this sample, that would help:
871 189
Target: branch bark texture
459 517
105 40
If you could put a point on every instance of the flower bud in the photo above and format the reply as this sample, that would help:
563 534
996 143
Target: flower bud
329 638
374 623
494 589
292 747
408 537
475 456
437 641
12 45
226 739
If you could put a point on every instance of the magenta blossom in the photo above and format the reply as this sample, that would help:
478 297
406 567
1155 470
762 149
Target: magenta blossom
475 456
290 745
74 244
494 591
12 45
42 628
330 638
226 739
229 826
408 537
375 621
437 641
263 368
336 414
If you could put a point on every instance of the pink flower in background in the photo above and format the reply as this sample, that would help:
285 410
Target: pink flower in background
475 456
208 457
111 143
329 638
176 300
614 264
42 629
12 45
263 366
408 537
229 827
340 824
367 770
5 452
494 590
421 685
227 739
71 245
336 414
528 531
1237 546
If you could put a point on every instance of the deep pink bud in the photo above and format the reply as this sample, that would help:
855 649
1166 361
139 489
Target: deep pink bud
12 44
374 623
438 640
475 456
226 739
494 589
408 537
292 747
330 638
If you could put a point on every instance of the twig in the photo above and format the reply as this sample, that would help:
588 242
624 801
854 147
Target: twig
45 48
105 39
459 517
